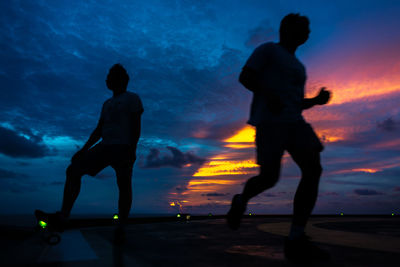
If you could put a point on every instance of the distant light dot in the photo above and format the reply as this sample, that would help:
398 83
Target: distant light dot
250 214
115 217
341 214
178 215
42 224
187 217
392 214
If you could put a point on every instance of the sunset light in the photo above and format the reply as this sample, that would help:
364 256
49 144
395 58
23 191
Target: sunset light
184 60
365 170
216 168
244 135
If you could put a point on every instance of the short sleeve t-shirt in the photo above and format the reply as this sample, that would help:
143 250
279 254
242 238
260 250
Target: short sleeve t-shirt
118 115
281 73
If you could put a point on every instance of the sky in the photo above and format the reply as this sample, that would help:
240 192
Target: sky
184 58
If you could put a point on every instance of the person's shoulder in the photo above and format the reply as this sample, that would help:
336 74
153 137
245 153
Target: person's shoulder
135 101
134 97
107 101
131 94
267 46
266 49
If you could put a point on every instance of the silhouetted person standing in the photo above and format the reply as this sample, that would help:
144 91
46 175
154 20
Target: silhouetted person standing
119 131
277 79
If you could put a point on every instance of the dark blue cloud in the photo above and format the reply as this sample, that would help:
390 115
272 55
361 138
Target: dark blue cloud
262 33
58 72
215 194
367 192
177 160
388 125
18 186
57 183
14 145
183 58
275 194
328 194
350 180
181 188
7 174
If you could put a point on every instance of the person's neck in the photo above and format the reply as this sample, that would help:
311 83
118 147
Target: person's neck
288 46
117 93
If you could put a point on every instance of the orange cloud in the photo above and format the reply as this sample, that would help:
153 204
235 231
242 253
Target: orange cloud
343 92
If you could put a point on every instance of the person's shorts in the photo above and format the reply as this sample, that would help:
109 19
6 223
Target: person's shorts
119 157
273 139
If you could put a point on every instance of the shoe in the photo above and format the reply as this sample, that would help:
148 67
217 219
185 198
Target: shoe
234 215
302 249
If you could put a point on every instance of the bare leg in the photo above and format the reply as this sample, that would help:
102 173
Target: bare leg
72 188
124 181
297 245
307 191
269 175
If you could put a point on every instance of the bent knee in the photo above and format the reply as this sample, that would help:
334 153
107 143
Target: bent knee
74 171
268 180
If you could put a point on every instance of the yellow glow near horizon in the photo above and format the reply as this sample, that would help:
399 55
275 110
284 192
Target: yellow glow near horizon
206 181
239 146
365 170
224 164
332 139
244 135
234 167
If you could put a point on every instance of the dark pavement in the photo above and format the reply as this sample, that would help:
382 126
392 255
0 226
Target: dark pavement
352 241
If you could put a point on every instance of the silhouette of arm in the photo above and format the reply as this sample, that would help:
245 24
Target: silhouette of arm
252 81
321 99
94 137
308 103
136 128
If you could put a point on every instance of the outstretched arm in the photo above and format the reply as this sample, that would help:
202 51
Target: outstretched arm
321 99
252 81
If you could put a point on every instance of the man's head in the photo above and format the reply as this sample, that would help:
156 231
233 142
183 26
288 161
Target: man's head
117 78
294 29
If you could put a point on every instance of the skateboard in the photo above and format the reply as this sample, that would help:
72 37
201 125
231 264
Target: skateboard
50 234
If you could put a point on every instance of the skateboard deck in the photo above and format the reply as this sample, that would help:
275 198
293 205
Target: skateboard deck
46 227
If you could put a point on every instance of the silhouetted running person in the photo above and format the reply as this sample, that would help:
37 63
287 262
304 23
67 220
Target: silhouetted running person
119 129
277 78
